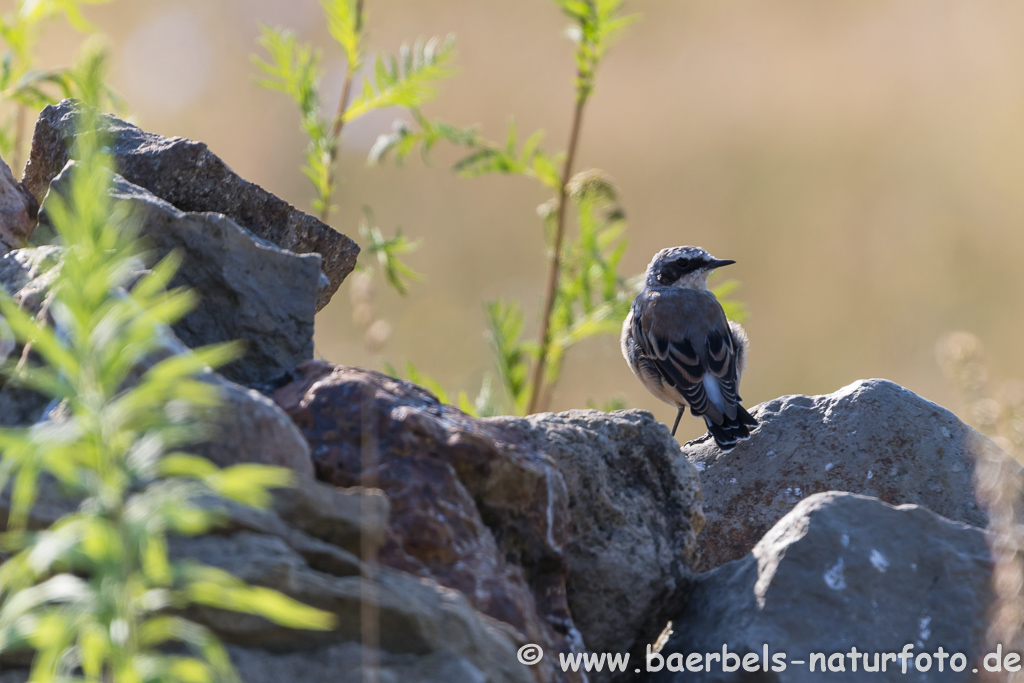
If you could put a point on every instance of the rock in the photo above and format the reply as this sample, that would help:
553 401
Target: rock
247 288
191 177
26 275
265 532
872 437
17 211
426 632
20 406
343 517
842 571
319 555
471 508
342 664
248 427
352 519
635 507
49 506
417 618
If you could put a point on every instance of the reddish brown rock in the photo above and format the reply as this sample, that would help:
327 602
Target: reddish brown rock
469 508
17 211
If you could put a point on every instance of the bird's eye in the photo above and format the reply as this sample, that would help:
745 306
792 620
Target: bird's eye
673 270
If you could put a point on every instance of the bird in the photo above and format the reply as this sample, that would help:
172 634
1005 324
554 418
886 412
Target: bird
678 342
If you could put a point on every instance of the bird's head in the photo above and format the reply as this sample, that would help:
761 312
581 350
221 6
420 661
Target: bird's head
685 267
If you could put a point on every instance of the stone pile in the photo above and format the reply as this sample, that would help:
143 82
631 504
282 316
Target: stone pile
445 543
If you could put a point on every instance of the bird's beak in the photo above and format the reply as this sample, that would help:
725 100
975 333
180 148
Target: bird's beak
718 263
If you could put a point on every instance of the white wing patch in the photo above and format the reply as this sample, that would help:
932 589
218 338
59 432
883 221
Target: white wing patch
713 391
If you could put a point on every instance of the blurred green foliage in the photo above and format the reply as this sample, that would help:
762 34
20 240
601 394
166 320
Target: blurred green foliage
505 322
408 80
294 69
483 405
486 156
597 25
388 251
97 595
590 296
29 89
587 295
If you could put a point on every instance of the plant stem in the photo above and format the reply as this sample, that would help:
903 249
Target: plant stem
339 120
554 274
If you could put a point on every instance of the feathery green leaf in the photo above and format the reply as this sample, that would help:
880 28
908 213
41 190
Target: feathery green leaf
408 80
344 25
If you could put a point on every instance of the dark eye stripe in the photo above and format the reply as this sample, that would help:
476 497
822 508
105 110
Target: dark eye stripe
673 270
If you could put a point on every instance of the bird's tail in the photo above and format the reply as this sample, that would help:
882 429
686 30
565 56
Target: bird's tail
732 431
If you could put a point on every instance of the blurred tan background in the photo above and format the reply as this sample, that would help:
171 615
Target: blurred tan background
862 160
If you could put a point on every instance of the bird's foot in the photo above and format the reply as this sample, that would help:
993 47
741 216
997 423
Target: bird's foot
699 439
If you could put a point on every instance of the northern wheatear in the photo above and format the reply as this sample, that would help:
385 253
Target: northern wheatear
679 343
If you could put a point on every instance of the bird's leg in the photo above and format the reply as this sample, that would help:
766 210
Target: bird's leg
678 415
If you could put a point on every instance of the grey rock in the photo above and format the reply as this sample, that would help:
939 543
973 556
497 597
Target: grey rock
249 427
246 427
842 571
635 510
319 555
316 519
20 406
322 556
344 663
247 288
50 504
417 618
17 211
192 178
26 275
872 437
344 517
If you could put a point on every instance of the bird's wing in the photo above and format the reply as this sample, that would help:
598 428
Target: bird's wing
686 335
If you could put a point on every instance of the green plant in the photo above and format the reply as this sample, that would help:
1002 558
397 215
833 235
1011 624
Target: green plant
292 67
598 24
27 88
96 595
482 407
388 252
585 294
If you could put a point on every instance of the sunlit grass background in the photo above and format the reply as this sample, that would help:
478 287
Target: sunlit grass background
862 160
